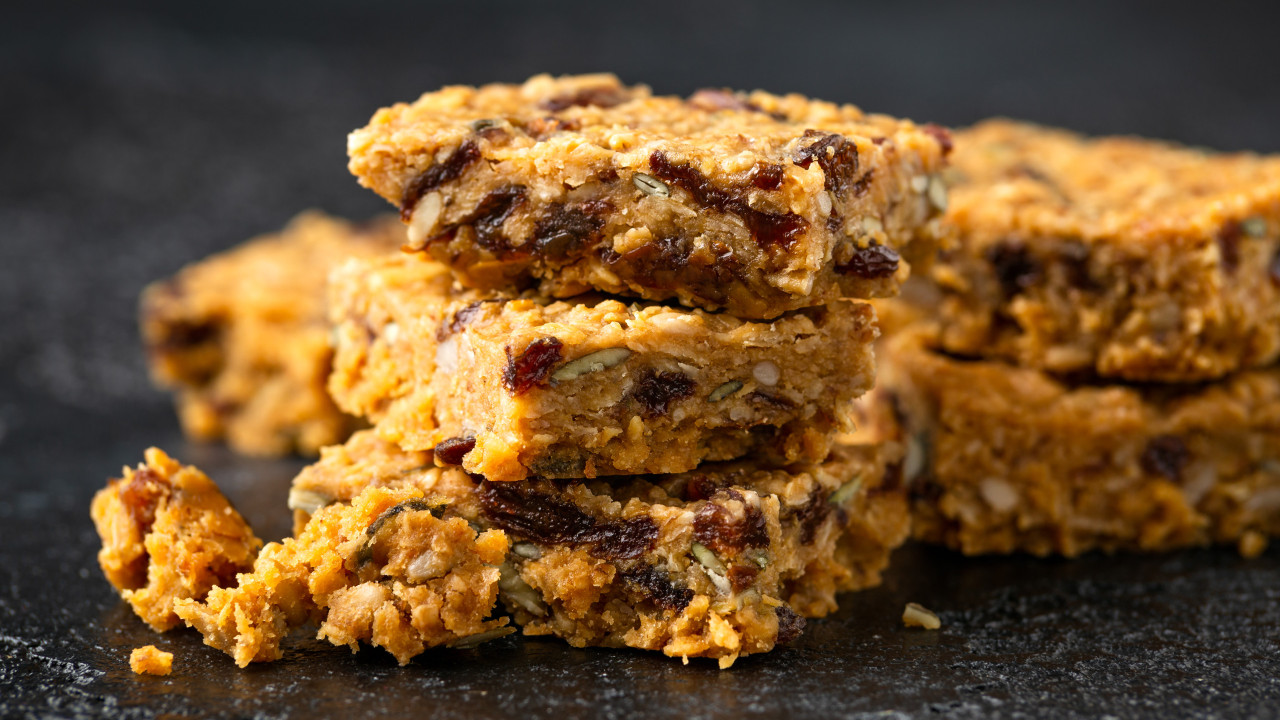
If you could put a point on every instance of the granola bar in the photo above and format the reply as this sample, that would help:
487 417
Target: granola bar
511 386
1127 258
751 203
720 562
242 338
1006 459
167 535
386 569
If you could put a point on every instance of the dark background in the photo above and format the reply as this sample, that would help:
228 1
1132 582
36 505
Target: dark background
136 139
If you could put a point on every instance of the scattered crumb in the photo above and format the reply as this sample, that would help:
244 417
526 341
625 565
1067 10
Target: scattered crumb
149 660
1252 544
919 616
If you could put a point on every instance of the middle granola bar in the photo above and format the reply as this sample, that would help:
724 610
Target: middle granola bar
510 386
754 204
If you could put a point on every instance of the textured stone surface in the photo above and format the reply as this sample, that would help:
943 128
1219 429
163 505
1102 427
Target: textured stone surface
135 142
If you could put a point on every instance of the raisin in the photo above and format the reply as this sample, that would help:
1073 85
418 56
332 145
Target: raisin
716 527
490 214
1275 268
532 365
1229 245
540 128
713 99
860 187
835 154
741 577
767 176
655 391
1166 455
540 517
700 487
460 319
790 625
1015 267
659 262
626 540
452 450
564 230
811 516
872 262
436 175
142 495
942 135
893 479
658 586
768 229
603 96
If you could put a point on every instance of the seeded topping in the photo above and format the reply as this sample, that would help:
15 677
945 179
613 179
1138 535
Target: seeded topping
590 363
657 585
872 262
453 450
655 391
768 229
437 175
914 615
531 366
1166 455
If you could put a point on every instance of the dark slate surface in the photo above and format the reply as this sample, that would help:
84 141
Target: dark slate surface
136 140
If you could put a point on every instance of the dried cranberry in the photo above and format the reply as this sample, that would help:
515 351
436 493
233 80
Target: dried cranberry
767 229
835 154
657 585
460 319
872 262
790 625
564 230
1229 245
626 540
1016 268
741 577
767 176
655 391
436 175
491 213
1166 455
523 510
717 528
452 450
142 495
942 135
532 365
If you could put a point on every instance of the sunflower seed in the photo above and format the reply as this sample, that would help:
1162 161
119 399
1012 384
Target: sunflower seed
724 391
707 558
591 362
846 492
307 500
471 641
650 185
1254 227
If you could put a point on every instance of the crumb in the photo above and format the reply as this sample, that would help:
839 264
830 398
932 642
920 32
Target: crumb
919 616
1252 544
149 660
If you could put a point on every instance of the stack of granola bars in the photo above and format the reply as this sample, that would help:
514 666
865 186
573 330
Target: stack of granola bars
608 378
1092 364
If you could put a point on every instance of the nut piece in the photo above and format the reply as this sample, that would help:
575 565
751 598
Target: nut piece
591 362
766 373
919 616
650 185
307 500
150 660
938 193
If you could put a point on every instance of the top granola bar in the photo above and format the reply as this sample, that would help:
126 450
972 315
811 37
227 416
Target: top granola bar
1121 257
746 202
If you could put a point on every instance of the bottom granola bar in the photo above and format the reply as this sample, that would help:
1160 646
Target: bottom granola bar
1004 459
719 562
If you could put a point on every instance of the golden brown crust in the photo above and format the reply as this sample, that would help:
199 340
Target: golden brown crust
712 563
590 386
384 570
168 534
1007 459
752 203
243 337
1127 258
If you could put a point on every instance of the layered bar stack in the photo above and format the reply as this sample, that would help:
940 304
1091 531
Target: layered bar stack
1096 367
623 336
